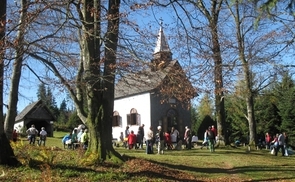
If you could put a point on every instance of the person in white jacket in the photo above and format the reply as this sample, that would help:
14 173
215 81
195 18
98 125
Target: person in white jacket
149 141
32 132
43 135
205 142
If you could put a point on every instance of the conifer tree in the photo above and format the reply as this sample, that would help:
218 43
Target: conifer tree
286 99
267 112
205 117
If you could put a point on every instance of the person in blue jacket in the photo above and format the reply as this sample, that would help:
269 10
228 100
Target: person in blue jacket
66 138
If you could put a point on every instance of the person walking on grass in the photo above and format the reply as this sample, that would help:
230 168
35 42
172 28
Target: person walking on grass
43 135
131 140
149 141
32 132
14 135
267 139
84 139
215 133
161 140
175 135
141 136
188 138
205 142
211 139
281 144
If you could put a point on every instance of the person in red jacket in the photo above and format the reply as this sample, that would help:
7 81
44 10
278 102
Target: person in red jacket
215 132
168 141
268 140
14 136
132 140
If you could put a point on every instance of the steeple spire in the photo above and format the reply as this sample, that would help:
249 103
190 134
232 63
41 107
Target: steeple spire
162 54
162 45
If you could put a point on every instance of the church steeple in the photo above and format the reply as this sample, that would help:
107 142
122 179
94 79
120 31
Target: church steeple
162 45
162 54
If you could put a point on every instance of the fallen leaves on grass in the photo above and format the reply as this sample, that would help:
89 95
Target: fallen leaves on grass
155 172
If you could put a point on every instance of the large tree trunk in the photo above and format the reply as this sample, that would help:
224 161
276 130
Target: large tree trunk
6 153
109 81
247 78
219 95
100 85
211 15
218 76
17 68
251 119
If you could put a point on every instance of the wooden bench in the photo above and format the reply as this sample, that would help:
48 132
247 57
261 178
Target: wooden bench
71 145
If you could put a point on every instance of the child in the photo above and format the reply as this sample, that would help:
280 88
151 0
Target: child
132 140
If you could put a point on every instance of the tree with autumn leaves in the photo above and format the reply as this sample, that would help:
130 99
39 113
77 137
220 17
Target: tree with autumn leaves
92 67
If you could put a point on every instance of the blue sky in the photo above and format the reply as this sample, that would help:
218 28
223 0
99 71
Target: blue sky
148 22
29 82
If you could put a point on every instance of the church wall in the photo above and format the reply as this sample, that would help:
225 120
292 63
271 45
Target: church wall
159 112
139 102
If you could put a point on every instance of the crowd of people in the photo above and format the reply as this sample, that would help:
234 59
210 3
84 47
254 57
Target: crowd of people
32 135
162 140
132 140
79 137
210 138
276 143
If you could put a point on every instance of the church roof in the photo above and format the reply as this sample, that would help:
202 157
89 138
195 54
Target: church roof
162 44
142 82
162 67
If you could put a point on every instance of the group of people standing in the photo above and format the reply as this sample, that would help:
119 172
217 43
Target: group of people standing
277 143
131 139
33 133
210 138
163 140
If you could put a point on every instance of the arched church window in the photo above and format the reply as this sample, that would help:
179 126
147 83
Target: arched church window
133 118
116 119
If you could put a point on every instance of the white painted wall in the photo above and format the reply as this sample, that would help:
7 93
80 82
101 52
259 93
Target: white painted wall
18 126
141 103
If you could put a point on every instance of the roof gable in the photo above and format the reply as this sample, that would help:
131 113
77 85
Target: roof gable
141 82
36 110
148 81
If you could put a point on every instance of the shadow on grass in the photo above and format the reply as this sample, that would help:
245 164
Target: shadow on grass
263 172
236 170
75 171
151 174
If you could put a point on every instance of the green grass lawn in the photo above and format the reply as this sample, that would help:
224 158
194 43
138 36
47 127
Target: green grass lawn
254 166
226 164
54 141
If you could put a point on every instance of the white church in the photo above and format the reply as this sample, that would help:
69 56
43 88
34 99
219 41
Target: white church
140 99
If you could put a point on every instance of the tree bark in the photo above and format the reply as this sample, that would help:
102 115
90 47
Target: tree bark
247 78
218 78
17 69
99 85
7 156
109 81
212 17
